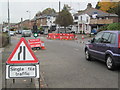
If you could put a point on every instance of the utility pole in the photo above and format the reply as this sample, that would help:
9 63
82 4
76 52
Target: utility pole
21 24
8 16
9 22
59 13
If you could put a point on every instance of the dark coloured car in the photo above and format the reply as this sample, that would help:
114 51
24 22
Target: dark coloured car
105 47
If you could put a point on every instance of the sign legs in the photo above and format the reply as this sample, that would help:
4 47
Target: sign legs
39 83
13 81
31 80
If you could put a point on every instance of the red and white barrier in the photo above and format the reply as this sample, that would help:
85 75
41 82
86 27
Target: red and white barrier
36 43
61 36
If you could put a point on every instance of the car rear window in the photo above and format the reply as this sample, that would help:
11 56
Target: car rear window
105 37
112 38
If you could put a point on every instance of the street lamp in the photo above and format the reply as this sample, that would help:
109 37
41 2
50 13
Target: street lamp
29 17
29 14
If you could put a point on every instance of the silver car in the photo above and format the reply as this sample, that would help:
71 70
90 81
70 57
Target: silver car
12 33
26 33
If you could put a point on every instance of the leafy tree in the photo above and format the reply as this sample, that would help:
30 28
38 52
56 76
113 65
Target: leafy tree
67 7
97 6
48 11
115 10
114 26
40 28
25 28
64 18
106 6
103 28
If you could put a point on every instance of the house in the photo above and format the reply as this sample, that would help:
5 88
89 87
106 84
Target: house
45 20
92 19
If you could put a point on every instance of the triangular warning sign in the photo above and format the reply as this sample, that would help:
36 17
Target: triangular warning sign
22 54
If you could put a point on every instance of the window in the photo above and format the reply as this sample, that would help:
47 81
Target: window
76 17
112 38
98 37
95 13
75 22
87 19
105 38
81 18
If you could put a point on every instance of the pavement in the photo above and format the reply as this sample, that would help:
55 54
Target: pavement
1 50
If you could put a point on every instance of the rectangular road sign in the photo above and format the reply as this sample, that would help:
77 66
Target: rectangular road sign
34 42
22 71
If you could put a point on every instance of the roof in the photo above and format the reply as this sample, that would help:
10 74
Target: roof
99 13
45 16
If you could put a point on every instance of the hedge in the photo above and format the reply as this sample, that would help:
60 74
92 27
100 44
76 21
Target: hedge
4 39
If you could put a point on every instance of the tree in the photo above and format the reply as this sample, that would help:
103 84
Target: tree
48 11
67 7
25 28
106 6
115 10
103 28
114 26
64 18
97 6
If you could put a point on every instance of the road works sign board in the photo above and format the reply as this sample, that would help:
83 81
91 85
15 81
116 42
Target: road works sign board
22 54
22 71
22 63
34 43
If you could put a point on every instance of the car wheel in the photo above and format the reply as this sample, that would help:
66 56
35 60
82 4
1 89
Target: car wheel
110 63
87 55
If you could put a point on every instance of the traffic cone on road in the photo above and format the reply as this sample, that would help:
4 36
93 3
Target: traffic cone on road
42 45
82 38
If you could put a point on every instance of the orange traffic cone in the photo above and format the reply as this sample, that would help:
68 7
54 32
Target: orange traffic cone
42 45
82 37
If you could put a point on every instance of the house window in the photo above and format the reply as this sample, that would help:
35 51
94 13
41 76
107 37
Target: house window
48 18
95 13
76 17
87 19
75 22
81 18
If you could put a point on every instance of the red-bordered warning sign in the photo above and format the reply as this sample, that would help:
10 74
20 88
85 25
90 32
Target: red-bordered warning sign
22 54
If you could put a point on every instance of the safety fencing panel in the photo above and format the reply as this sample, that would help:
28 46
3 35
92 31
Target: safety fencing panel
61 36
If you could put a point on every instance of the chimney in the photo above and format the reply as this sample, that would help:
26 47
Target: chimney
89 6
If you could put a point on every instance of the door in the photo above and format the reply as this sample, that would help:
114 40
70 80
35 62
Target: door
103 45
94 46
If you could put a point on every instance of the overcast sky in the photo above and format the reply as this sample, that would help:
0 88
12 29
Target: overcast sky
18 8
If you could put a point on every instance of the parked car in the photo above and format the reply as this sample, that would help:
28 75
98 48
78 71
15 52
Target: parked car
105 47
19 31
26 33
12 33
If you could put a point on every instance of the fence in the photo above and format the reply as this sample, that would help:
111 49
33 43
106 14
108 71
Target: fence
61 36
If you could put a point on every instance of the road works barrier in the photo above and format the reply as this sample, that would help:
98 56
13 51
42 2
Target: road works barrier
61 36
36 43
